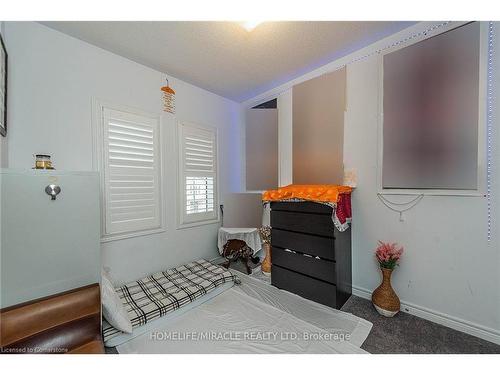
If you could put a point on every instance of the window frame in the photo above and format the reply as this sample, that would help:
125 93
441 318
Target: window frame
481 149
98 164
182 221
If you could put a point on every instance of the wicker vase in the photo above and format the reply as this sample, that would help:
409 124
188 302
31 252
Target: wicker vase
384 298
266 263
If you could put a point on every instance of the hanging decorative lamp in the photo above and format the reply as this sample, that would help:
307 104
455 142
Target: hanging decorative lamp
168 98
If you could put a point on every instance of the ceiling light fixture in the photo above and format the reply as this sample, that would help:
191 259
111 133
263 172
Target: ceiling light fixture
250 25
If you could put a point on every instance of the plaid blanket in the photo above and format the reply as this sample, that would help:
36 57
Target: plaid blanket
160 293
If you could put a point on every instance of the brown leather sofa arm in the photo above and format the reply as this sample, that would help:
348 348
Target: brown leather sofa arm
68 322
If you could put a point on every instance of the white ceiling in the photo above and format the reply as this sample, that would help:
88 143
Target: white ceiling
224 58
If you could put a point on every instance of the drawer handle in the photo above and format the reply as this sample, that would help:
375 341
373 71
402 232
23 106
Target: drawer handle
303 254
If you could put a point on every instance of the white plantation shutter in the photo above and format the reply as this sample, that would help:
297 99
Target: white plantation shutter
199 195
131 169
198 173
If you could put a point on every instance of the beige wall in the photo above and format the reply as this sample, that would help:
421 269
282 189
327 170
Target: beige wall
242 210
318 129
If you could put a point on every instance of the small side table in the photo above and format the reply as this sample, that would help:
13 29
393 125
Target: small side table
250 235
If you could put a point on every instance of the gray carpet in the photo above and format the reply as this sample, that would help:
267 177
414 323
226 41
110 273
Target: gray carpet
405 333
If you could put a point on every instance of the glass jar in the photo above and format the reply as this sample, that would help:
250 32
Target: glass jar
43 162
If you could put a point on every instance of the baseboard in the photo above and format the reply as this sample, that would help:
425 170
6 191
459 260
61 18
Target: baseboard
461 325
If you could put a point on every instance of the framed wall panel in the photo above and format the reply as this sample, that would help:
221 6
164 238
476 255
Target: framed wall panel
318 129
261 144
431 112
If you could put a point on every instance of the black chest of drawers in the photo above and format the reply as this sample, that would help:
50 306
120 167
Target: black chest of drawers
310 257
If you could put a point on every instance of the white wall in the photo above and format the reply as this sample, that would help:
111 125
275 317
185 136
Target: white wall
449 272
448 266
53 79
3 140
285 138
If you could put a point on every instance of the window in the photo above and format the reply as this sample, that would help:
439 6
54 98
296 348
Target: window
431 116
130 167
197 175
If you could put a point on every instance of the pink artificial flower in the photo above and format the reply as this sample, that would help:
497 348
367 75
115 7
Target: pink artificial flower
388 254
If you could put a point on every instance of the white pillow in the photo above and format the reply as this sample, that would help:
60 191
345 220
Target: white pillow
112 306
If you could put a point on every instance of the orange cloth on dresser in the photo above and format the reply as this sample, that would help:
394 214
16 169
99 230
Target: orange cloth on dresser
317 193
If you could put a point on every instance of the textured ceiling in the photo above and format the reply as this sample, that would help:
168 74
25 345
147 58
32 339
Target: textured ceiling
224 58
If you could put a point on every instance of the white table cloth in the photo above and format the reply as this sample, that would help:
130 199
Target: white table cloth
250 235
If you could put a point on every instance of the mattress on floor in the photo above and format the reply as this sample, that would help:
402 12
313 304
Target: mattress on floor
324 317
123 337
234 322
162 293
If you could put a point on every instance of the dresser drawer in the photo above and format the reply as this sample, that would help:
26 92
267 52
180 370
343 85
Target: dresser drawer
322 247
317 268
303 222
307 287
307 207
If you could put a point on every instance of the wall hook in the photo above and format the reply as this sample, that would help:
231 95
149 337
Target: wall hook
52 190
